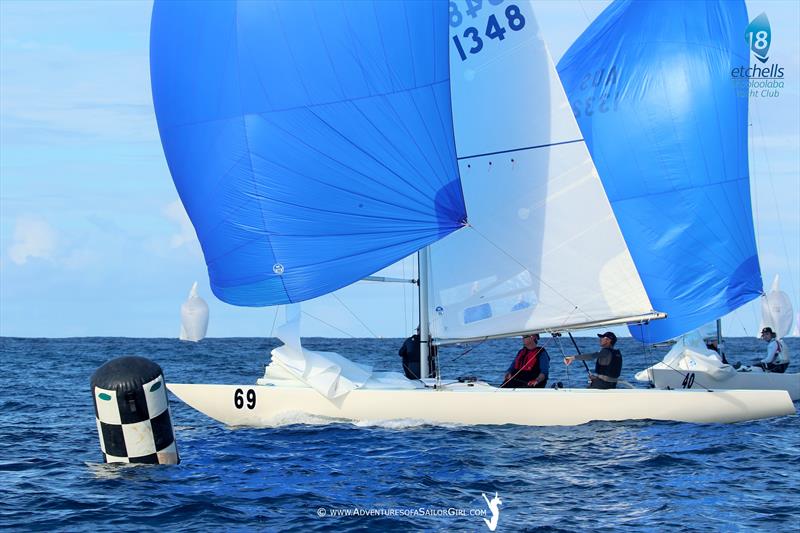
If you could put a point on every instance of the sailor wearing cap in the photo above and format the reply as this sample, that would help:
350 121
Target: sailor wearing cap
777 359
608 362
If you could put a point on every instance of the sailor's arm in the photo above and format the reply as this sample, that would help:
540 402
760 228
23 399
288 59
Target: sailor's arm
772 351
544 368
582 357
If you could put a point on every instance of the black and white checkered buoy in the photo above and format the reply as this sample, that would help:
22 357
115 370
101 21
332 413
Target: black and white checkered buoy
132 410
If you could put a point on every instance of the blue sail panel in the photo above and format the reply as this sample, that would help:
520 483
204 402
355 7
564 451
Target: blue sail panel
650 85
311 143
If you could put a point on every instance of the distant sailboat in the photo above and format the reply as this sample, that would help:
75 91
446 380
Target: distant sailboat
649 83
325 141
776 310
194 317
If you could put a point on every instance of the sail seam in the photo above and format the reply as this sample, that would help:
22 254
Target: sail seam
306 106
520 149
253 179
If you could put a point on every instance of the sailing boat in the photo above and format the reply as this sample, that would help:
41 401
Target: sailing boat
313 144
689 363
194 317
659 74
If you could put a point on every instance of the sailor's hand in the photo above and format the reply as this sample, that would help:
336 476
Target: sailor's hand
569 359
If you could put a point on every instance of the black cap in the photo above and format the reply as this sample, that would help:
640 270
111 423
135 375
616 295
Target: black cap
608 335
767 330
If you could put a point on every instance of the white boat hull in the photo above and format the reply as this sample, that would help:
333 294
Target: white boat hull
268 406
664 378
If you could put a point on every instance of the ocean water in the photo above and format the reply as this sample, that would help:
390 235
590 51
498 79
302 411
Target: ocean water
403 476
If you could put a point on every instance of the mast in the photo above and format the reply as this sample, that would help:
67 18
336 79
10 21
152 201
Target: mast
424 329
719 335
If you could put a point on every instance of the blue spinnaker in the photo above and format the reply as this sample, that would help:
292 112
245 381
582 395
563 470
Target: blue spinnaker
310 142
651 86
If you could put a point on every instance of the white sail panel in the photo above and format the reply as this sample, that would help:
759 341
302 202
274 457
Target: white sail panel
776 310
543 250
194 317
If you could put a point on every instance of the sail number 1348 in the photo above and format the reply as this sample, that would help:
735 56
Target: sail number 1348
494 28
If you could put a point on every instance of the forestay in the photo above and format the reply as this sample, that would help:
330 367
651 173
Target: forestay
311 142
650 84
543 250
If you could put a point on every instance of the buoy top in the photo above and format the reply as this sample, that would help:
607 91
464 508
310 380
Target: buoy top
125 373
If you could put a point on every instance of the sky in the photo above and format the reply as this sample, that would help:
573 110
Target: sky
94 240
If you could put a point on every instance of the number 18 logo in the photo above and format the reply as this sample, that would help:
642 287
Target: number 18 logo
758 35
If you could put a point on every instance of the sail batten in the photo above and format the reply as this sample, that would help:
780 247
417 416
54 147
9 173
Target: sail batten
512 150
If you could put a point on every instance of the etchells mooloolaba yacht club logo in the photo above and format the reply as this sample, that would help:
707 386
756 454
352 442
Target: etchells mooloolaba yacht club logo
763 79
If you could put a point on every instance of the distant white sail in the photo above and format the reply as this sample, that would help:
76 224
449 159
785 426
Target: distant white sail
194 317
543 250
776 310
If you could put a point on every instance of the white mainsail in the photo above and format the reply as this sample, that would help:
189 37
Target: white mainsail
543 250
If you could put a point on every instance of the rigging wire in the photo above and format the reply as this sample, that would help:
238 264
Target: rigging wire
327 324
775 196
354 315
580 3
557 336
415 293
465 352
741 323
526 269
274 320
405 296
585 365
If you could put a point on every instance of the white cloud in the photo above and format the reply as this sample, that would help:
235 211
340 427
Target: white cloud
186 236
81 259
33 237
